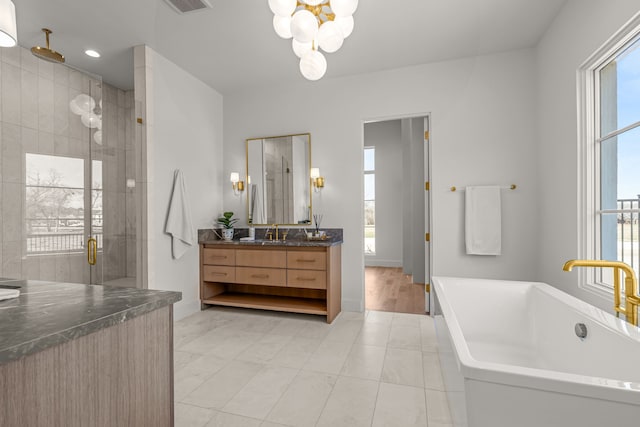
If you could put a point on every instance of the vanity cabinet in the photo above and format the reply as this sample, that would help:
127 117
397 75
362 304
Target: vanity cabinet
296 279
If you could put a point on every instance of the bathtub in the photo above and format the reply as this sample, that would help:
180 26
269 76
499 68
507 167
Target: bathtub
511 357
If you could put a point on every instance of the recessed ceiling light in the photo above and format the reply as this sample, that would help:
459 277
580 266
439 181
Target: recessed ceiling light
92 53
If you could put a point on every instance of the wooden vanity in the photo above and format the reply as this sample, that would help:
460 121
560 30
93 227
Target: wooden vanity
278 276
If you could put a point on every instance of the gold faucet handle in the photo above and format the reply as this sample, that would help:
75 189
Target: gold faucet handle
285 232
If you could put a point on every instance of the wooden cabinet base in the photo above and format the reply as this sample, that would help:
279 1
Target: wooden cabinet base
118 376
306 280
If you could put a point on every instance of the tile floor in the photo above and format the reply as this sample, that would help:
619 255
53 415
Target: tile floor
237 367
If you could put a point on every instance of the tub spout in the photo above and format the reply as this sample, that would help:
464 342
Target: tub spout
631 297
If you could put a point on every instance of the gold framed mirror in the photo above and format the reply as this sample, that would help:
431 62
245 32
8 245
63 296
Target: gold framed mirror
278 182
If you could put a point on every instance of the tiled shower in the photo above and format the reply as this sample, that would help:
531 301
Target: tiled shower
61 171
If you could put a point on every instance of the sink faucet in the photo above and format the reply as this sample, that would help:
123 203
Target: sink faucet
631 297
269 232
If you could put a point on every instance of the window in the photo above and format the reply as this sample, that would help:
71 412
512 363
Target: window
56 206
610 102
369 201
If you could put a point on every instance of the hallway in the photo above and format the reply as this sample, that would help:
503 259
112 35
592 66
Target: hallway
388 289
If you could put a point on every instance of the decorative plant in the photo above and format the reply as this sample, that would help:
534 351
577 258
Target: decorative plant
226 221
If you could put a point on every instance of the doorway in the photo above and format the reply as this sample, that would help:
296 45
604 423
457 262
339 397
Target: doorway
396 214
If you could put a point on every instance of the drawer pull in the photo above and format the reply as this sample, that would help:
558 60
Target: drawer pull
260 276
215 273
218 256
305 279
306 260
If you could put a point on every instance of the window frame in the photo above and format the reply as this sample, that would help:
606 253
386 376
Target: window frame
365 200
589 139
87 193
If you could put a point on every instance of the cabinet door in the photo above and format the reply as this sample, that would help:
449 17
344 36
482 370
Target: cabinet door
219 256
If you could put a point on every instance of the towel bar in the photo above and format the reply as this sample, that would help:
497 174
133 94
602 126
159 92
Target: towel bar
511 187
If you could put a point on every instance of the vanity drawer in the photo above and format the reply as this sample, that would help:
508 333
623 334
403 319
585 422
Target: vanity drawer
261 276
219 256
310 279
307 260
217 273
261 258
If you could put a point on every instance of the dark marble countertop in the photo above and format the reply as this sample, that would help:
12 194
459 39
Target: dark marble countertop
285 243
51 313
295 238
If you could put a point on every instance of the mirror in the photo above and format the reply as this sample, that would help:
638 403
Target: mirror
279 187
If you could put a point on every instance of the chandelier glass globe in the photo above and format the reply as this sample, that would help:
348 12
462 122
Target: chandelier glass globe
301 48
313 65
304 26
344 7
91 120
346 25
330 37
282 26
282 7
82 104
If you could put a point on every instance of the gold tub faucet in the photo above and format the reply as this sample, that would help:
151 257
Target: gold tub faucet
631 297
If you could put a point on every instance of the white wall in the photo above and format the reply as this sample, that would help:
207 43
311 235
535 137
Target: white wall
580 29
483 132
184 131
385 137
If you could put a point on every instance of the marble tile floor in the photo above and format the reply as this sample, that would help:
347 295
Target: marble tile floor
236 367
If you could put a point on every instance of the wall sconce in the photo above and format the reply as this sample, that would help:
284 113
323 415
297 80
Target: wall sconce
238 186
316 180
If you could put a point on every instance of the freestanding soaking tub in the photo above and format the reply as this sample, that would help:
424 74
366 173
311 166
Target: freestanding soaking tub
524 354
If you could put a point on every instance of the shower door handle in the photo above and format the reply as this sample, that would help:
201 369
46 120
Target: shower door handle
92 251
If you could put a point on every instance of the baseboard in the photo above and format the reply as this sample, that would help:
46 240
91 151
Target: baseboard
183 309
372 262
353 305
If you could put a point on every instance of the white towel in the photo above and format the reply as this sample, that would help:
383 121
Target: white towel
483 222
179 223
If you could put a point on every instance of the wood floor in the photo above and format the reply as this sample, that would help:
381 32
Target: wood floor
388 289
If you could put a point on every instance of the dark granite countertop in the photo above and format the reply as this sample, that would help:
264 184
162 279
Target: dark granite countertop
295 238
285 243
51 313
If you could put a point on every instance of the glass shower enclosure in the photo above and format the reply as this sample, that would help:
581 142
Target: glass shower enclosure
68 214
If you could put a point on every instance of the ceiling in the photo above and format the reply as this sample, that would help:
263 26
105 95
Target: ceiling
233 46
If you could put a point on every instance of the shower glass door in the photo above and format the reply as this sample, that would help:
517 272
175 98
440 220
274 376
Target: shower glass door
63 203
51 201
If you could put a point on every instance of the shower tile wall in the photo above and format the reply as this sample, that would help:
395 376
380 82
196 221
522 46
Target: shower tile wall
35 118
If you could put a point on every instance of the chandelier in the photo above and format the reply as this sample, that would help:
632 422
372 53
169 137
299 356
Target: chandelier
313 25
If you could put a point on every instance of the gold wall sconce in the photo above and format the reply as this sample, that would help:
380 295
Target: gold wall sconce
316 180
238 186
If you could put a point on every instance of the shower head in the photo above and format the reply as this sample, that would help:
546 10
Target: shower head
45 52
